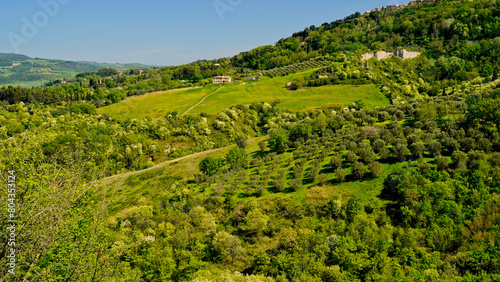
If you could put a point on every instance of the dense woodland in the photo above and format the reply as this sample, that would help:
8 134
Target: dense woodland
407 192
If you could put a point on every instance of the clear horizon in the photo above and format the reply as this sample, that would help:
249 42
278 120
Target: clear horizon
159 32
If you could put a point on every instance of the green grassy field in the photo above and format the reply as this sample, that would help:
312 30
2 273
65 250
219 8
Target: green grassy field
265 90
25 84
157 104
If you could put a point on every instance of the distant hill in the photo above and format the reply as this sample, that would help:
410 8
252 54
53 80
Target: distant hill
16 69
9 57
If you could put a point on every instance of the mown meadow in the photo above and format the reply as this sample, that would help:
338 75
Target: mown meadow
266 90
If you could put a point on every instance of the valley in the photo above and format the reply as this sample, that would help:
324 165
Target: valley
307 160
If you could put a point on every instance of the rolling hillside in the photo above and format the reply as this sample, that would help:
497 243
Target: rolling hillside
326 167
22 70
266 90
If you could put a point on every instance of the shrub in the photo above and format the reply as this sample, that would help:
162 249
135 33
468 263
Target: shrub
376 169
378 145
401 151
300 131
442 163
323 179
295 184
262 145
336 161
278 184
236 157
358 170
351 157
278 141
340 174
241 142
210 165
83 108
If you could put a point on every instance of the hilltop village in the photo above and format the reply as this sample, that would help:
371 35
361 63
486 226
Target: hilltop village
411 3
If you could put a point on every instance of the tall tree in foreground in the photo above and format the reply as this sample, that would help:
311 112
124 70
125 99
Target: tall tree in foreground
59 230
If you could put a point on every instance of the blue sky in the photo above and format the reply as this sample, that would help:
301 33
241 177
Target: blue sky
159 32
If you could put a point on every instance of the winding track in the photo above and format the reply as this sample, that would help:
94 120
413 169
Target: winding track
202 100
126 174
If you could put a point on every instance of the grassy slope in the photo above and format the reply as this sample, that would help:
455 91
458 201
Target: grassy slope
25 84
46 69
157 104
34 70
128 189
266 90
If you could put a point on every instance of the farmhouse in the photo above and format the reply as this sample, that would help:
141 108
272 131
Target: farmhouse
221 79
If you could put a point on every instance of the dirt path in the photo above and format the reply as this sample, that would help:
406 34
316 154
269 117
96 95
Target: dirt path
126 174
197 104
160 92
